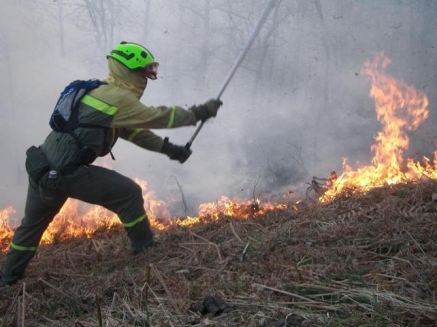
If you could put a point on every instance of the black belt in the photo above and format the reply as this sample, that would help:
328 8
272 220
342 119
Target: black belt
69 169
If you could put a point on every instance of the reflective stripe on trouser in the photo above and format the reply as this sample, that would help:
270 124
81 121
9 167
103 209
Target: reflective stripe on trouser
37 217
115 192
91 184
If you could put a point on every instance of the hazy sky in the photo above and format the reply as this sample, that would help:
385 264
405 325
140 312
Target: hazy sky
297 105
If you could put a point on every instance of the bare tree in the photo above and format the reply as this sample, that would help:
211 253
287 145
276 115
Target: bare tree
100 18
60 16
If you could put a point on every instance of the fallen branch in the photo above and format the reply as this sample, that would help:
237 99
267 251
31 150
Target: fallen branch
84 307
210 243
170 297
308 302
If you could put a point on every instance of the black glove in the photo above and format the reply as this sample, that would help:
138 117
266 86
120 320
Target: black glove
175 152
207 110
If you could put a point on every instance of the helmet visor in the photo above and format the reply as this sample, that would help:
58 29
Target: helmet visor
150 71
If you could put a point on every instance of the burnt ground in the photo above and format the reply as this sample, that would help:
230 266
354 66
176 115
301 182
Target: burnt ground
359 260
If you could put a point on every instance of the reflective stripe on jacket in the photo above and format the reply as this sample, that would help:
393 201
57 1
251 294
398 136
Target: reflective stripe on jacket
111 111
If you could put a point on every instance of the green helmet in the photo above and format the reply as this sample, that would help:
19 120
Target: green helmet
132 55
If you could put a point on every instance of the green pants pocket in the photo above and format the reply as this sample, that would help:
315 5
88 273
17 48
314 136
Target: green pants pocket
36 163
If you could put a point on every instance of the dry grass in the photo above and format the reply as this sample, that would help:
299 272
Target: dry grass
366 260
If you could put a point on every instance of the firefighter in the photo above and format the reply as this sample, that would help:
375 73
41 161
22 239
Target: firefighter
106 113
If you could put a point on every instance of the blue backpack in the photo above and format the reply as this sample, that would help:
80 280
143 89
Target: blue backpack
65 116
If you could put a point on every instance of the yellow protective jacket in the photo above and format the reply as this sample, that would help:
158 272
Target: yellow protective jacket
111 111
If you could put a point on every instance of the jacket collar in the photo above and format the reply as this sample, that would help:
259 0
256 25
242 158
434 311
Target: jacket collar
121 76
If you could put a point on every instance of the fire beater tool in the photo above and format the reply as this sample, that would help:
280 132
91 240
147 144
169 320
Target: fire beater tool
238 61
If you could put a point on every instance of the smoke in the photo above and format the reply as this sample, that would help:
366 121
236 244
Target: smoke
297 105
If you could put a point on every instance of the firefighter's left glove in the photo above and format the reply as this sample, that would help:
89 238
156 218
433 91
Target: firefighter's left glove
207 110
175 152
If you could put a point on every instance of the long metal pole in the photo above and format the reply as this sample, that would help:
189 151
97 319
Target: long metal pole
238 61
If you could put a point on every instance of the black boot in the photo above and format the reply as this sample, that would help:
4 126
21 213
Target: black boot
7 278
140 248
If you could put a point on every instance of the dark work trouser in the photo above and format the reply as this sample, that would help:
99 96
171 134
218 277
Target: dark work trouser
91 184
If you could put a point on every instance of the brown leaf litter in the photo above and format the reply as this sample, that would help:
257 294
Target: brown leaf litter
360 260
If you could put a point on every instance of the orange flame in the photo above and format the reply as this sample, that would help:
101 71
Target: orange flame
81 219
400 108
78 219
5 231
237 208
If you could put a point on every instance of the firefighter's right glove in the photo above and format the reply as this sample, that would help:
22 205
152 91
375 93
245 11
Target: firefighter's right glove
207 110
175 152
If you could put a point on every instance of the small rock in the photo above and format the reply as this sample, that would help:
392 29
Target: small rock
209 304
198 308
214 305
